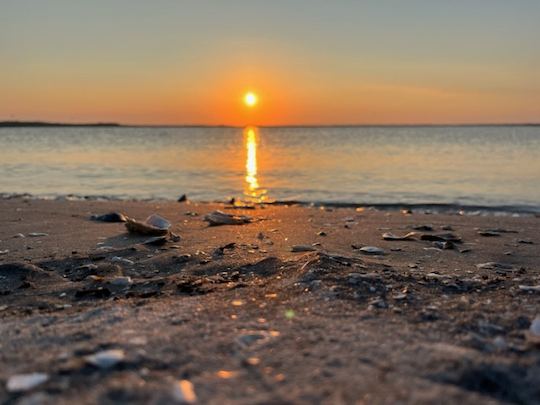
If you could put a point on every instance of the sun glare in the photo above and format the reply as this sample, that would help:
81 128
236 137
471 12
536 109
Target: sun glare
252 189
251 159
250 99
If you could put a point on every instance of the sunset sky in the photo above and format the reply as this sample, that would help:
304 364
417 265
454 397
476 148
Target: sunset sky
309 61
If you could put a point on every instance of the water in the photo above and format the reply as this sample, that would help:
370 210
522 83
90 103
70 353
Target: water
486 166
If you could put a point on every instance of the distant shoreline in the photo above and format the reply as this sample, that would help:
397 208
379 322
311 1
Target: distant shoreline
38 124
12 124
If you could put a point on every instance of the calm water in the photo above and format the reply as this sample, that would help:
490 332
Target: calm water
488 166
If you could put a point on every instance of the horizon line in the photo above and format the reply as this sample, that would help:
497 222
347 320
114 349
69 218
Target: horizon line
32 123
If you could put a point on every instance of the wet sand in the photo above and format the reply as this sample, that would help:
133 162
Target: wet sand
242 318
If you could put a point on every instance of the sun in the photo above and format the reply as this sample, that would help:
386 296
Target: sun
250 99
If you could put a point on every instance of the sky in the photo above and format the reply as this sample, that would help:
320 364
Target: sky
309 61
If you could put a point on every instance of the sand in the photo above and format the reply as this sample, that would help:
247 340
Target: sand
254 322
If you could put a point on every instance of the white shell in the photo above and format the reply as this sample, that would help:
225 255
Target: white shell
372 250
106 358
25 382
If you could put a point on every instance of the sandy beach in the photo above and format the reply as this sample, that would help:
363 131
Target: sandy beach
286 308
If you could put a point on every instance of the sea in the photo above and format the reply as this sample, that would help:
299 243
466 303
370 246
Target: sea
496 167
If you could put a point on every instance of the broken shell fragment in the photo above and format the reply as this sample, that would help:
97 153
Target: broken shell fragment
25 382
220 251
495 266
425 228
217 218
529 288
155 240
371 250
391 236
303 248
153 225
443 245
119 259
106 358
110 217
488 233
441 237
499 230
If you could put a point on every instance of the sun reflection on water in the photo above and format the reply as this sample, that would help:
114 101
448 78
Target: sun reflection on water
252 188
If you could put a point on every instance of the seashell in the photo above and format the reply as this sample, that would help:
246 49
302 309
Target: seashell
441 237
118 259
425 228
500 230
106 358
303 248
531 288
391 236
110 217
371 250
488 233
443 245
155 240
153 225
495 266
25 382
220 218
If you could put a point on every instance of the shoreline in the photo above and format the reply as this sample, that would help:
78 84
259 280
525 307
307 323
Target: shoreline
284 308
434 208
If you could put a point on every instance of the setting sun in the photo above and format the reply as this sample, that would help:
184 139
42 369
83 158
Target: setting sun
250 99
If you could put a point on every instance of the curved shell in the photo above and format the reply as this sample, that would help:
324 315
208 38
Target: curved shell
154 225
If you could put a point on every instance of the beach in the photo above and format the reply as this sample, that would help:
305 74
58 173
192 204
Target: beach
297 304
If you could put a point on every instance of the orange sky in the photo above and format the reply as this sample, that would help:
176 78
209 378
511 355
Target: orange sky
309 62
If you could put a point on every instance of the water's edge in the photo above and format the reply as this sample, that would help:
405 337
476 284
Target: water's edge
434 208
